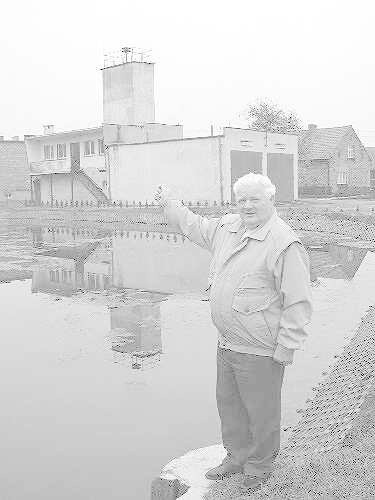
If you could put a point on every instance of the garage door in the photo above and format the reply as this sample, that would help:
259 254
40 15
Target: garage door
243 162
280 171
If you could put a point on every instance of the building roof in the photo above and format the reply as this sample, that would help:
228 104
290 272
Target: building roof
65 132
321 143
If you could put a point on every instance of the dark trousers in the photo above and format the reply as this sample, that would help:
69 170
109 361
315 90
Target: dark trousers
248 394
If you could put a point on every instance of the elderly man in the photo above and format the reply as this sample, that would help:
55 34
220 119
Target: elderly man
260 299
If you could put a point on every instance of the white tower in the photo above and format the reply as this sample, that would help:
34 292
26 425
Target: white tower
128 88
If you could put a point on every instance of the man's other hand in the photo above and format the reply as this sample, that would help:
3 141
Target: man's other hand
283 355
162 196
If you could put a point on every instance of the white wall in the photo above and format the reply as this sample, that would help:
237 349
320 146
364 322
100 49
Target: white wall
34 150
189 167
162 132
115 133
196 169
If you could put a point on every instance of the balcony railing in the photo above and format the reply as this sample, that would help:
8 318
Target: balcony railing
50 167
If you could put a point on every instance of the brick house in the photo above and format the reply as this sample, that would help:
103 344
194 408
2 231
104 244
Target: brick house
371 152
332 161
14 171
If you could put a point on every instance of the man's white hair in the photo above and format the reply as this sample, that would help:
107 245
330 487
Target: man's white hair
254 179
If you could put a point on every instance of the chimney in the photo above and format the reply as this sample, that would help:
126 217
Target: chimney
15 138
27 136
312 126
48 129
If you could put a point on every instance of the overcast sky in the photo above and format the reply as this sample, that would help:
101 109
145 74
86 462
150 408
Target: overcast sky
212 59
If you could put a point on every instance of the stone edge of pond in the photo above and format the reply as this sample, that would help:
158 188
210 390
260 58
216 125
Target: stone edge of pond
184 477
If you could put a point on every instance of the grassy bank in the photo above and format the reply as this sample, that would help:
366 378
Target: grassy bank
348 473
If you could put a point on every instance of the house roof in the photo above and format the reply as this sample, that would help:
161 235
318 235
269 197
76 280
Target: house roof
65 132
320 143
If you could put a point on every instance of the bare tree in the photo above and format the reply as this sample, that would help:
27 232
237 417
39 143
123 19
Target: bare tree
268 117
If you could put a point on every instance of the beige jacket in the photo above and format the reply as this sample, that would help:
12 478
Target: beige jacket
259 281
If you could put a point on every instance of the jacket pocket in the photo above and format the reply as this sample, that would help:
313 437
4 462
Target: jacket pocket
251 298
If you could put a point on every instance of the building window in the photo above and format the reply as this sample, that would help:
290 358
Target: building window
350 153
48 152
89 148
54 276
372 178
61 151
101 146
342 177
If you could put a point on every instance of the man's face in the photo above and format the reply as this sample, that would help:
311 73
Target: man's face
254 206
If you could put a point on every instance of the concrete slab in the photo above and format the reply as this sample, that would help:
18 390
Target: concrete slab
190 470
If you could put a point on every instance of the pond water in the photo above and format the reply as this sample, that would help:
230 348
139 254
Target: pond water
107 355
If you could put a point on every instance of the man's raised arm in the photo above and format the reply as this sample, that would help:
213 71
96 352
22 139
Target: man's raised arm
198 229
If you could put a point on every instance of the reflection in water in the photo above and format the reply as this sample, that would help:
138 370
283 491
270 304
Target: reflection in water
71 260
336 261
65 269
161 262
120 417
136 331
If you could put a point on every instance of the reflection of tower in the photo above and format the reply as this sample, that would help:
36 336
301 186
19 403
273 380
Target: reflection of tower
37 236
135 330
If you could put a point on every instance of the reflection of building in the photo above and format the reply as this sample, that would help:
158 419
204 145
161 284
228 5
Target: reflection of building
55 275
63 234
336 261
135 330
160 262
65 269
97 268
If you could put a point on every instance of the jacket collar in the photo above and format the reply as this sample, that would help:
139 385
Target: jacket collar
257 234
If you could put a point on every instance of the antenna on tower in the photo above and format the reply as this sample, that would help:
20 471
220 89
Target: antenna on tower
126 55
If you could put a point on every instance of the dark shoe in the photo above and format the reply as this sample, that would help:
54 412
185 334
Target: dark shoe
253 483
222 471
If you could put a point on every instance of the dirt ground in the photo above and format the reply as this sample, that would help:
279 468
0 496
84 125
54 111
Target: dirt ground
347 204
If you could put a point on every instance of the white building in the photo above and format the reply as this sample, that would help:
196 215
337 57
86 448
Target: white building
71 166
68 166
203 168
130 155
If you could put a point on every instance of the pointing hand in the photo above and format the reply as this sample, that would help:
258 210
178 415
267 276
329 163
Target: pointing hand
162 196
